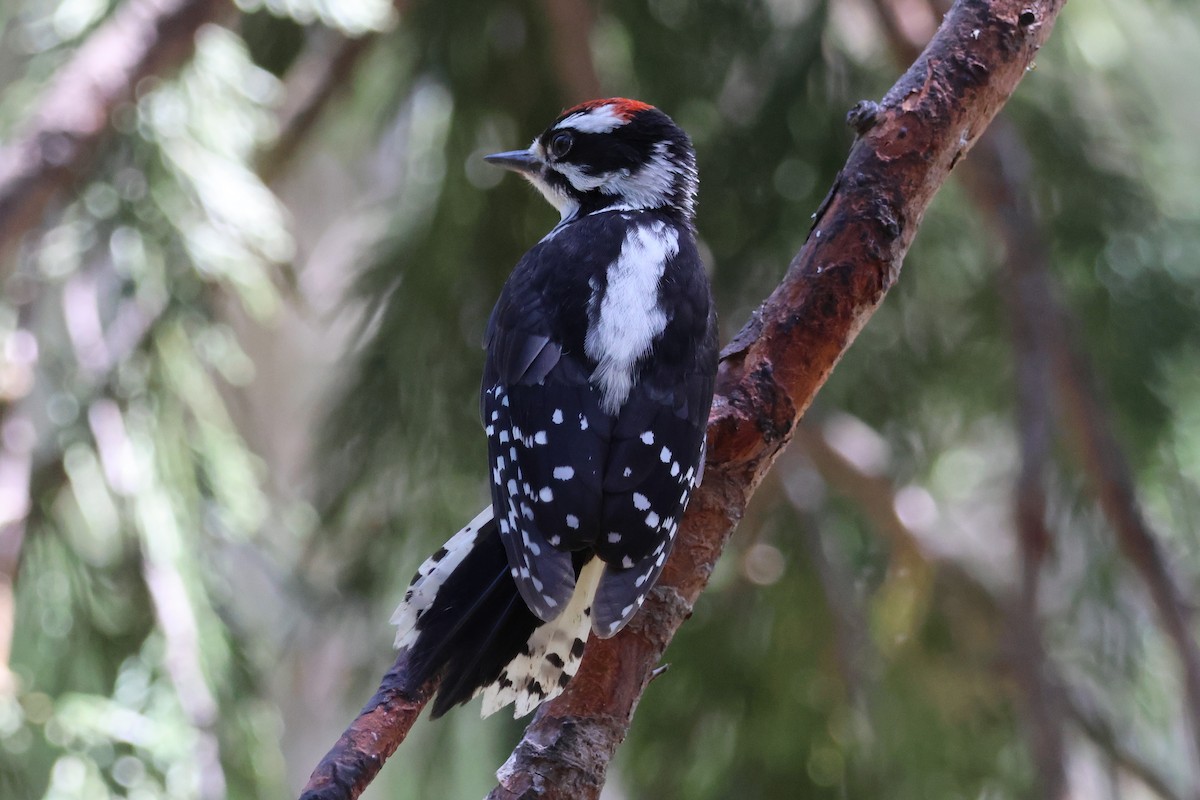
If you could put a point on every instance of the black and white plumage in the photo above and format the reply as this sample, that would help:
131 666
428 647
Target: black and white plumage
601 357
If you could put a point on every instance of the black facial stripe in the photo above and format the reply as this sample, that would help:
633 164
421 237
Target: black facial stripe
625 147
558 181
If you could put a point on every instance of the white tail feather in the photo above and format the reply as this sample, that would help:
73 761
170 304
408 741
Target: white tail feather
430 577
554 649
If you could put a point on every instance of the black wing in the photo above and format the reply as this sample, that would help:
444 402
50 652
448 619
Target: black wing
656 454
547 436
566 475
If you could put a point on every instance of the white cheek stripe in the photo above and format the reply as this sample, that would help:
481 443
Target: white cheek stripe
648 187
630 317
582 181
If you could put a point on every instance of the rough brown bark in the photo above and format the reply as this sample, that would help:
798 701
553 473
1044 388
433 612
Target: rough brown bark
352 763
142 38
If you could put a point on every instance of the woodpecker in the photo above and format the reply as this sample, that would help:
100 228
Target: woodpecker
601 358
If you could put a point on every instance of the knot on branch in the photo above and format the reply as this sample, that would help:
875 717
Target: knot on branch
863 116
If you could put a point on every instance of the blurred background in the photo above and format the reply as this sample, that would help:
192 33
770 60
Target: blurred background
242 296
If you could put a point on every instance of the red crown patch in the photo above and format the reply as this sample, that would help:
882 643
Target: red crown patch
621 106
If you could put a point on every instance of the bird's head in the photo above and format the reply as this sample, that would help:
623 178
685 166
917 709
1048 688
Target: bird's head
613 154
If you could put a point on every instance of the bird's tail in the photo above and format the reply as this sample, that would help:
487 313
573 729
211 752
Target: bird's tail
462 616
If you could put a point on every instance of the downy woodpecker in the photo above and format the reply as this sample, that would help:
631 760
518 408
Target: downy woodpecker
601 357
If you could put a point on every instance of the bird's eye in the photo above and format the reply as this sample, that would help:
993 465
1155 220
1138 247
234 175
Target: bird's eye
560 144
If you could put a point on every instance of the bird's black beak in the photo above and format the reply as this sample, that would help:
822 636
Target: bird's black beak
517 160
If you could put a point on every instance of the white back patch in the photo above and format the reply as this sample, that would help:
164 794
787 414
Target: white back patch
430 577
629 317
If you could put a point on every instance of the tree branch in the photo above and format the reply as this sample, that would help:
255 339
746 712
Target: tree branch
1105 464
772 369
998 179
1041 703
143 38
376 732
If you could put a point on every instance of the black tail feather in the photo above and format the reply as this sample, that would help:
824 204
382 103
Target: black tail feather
470 633
462 676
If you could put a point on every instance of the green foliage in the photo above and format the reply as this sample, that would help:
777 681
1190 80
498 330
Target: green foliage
122 659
